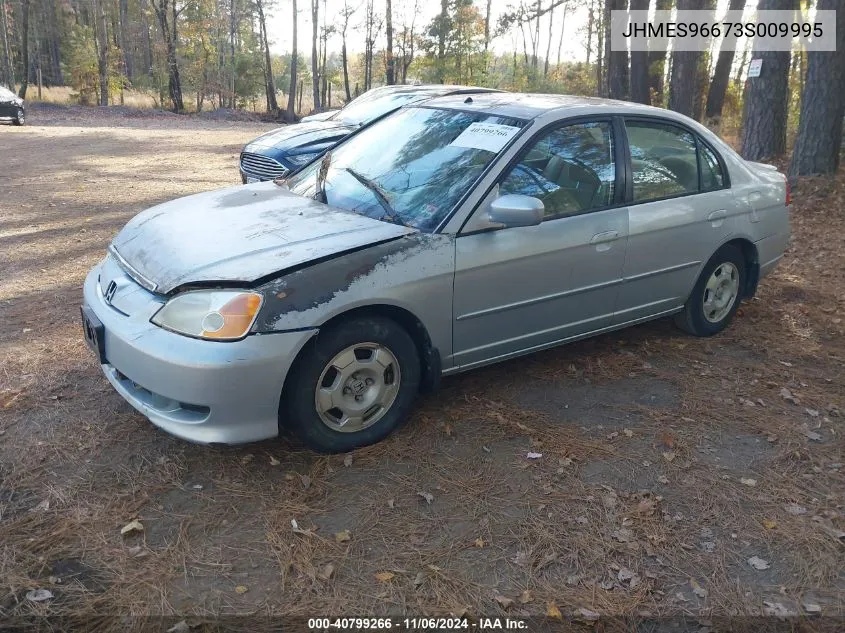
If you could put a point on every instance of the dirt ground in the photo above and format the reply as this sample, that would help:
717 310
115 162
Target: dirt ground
668 462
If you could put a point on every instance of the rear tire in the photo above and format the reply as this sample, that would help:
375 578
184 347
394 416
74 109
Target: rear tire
20 118
716 295
353 387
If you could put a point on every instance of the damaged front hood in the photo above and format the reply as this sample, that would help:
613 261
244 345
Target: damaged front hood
239 234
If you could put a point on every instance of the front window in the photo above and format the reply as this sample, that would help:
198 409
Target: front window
411 168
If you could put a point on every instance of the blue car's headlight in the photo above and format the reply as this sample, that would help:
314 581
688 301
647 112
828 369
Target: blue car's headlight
301 159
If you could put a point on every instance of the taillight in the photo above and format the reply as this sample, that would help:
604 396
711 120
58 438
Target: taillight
788 194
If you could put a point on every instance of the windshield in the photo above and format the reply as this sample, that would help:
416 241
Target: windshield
6 94
411 168
375 103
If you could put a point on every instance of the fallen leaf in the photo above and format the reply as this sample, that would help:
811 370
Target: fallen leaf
347 461
770 524
385 576
525 597
42 506
667 439
625 575
811 607
274 461
534 455
39 595
447 429
623 535
503 601
241 589
812 413
419 579
326 572
646 506
179 627
342 537
758 563
390 503
306 481
479 542
133 526
776 609
812 435
429 498
708 546
697 589
748 481
298 530
247 458
669 456
628 432
587 614
552 611
787 395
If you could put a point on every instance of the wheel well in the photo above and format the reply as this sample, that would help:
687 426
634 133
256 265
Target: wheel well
752 265
429 355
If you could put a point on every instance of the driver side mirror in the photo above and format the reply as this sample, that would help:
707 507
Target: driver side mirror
512 210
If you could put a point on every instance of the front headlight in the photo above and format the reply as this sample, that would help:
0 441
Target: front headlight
222 315
301 159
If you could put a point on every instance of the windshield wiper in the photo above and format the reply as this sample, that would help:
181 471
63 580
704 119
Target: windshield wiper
389 213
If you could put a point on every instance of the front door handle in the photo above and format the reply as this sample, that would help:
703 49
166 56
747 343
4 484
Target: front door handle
606 236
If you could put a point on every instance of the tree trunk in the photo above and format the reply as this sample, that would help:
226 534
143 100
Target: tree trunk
722 74
390 73
639 65
232 31
702 79
101 42
560 41
766 100
24 48
682 88
600 68
344 57
441 40
590 24
269 83
174 83
617 75
315 59
128 62
549 43
487 27
657 63
294 60
819 139
8 74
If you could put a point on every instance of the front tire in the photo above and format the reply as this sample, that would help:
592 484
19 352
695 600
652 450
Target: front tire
354 386
20 118
716 295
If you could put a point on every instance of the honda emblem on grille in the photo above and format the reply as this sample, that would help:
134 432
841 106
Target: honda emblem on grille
108 295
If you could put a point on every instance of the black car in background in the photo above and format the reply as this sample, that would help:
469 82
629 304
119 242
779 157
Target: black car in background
285 149
11 107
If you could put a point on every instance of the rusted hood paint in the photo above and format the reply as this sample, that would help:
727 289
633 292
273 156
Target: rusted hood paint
240 234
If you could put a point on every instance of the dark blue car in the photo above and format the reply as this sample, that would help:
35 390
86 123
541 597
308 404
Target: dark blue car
285 149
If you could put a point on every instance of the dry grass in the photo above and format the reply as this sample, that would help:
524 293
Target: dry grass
646 436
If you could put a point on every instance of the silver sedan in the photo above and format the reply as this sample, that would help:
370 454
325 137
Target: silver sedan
447 236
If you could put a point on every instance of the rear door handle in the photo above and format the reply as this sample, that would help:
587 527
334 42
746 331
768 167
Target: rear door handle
606 236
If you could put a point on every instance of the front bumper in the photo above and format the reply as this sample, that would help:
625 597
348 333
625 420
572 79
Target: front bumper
201 391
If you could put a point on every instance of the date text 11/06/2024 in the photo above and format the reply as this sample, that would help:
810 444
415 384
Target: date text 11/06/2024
415 624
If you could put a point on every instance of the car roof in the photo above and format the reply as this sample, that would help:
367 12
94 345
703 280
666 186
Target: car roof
432 90
530 106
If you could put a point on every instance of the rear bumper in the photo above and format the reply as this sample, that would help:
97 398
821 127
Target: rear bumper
200 391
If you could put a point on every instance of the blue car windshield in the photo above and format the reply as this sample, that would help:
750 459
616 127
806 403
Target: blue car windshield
375 103
411 168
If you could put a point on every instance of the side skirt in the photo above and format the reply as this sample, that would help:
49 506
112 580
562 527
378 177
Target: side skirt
569 339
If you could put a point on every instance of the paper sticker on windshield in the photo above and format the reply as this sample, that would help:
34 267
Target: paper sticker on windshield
488 136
